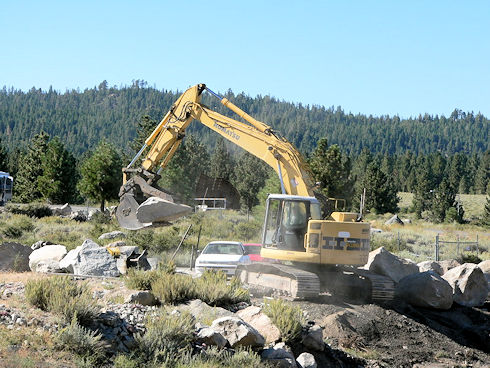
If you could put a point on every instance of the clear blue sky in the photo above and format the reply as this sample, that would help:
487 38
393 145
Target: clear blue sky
373 57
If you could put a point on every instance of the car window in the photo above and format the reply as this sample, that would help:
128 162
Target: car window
252 249
223 248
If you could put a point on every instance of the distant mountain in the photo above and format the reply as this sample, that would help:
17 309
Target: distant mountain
82 118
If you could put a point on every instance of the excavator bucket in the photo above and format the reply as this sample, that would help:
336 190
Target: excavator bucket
143 205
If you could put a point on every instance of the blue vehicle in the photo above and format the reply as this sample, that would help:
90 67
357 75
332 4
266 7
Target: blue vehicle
6 185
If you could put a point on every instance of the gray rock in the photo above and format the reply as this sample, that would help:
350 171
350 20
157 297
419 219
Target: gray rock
313 338
208 336
48 266
80 216
64 210
14 257
470 287
40 244
306 360
485 267
119 244
112 235
91 259
382 262
261 322
142 297
238 332
426 289
430 266
201 311
448 265
153 262
394 220
279 355
47 253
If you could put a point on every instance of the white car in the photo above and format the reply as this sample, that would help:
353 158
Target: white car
222 255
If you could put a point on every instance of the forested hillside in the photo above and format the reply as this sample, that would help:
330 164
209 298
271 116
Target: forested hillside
82 118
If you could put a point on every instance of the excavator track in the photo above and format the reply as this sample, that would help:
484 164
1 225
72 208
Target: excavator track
347 282
294 282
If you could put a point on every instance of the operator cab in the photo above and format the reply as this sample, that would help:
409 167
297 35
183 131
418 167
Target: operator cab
286 220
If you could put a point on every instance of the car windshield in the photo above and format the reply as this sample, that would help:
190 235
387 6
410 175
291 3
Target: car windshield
223 248
252 249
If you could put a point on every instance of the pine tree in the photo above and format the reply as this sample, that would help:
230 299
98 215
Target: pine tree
26 186
58 181
101 174
482 176
221 161
248 178
381 193
486 213
423 189
443 199
332 170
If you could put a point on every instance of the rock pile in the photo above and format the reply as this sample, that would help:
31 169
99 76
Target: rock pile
432 284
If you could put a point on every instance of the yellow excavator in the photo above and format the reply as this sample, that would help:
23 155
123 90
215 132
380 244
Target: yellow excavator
316 248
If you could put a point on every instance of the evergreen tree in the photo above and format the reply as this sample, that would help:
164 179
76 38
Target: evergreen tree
4 158
58 181
423 189
101 174
442 200
381 193
25 187
482 176
221 161
332 170
486 213
248 178
359 171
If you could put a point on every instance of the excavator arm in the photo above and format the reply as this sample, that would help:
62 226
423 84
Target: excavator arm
252 135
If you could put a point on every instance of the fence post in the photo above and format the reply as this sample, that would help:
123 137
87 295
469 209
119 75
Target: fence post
477 250
457 252
436 256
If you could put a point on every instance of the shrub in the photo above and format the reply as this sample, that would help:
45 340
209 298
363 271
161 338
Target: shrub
174 288
469 258
166 336
101 218
288 319
142 280
248 230
213 289
63 296
37 210
79 340
218 358
389 241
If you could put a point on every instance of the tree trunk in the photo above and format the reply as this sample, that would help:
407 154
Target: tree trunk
102 206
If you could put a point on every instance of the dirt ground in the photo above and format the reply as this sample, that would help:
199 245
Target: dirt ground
402 336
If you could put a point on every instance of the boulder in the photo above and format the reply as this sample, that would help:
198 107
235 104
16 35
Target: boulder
253 316
485 266
208 336
470 287
382 262
112 235
448 265
142 297
14 257
91 259
203 312
426 289
306 360
279 355
48 266
119 244
238 332
153 262
40 244
430 266
80 216
313 338
44 255
394 220
64 210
